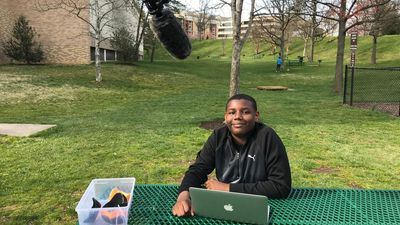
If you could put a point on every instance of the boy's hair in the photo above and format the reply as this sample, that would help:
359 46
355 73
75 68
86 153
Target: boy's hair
242 96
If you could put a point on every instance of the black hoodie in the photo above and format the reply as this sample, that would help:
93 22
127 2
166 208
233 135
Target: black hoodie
261 166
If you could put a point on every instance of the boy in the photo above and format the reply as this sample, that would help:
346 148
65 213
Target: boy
247 156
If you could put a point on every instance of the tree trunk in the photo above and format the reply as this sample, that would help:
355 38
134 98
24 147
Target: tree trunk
373 53
97 42
236 12
314 25
258 47
312 45
138 38
153 49
282 47
235 69
238 42
340 57
223 46
305 47
199 34
97 58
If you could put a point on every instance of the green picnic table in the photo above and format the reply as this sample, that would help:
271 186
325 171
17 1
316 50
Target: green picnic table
152 204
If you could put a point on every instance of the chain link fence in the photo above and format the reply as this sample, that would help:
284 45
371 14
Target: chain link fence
373 88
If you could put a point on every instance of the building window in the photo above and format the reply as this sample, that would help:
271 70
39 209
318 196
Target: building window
110 55
189 27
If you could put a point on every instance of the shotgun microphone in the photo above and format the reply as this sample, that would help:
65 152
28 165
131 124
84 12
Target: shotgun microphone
168 30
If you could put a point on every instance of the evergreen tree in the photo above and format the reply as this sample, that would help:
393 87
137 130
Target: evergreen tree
391 23
22 46
122 41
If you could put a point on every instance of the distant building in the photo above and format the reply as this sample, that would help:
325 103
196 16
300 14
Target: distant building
221 27
63 36
189 24
225 29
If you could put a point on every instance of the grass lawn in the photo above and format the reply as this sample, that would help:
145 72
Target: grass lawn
143 121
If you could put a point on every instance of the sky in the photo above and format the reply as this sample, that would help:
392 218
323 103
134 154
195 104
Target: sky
225 11
194 4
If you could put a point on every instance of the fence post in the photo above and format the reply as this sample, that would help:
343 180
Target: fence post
345 85
352 86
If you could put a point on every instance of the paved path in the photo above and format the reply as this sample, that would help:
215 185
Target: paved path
22 130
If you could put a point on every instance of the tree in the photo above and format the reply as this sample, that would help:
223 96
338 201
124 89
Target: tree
391 24
176 6
345 13
257 38
123 42
101 17
275 18
149 40
136 7
223 45
382 16
313 29
203 17
22 45
238 40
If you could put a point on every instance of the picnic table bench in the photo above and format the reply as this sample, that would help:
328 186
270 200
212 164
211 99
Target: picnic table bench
296 62
152 204
258 55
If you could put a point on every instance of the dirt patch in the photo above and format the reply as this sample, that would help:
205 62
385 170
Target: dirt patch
212 124
325 169
391 108
11 208
272 88
354 185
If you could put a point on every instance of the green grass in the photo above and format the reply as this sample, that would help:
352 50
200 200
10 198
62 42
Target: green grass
143 121
388 49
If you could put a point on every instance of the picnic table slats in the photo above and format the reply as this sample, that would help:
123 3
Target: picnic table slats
152 205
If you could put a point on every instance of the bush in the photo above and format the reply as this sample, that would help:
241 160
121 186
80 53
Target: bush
21 45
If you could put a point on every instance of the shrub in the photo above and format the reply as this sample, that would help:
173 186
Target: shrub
22 46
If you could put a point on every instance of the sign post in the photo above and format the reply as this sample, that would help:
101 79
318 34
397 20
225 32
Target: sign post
353 48
352 58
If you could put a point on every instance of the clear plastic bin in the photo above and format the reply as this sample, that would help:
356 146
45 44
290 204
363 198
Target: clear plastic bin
100 189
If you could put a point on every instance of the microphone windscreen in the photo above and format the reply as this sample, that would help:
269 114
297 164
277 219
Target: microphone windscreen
171 34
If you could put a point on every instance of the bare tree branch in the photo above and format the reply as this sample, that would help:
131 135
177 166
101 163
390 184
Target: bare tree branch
96 14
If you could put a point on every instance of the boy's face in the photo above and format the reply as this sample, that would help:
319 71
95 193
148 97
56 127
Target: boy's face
240 117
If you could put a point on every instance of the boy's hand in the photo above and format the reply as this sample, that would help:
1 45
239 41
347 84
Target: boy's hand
182 205
216 185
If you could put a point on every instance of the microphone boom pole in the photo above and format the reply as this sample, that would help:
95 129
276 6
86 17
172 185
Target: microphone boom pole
168 30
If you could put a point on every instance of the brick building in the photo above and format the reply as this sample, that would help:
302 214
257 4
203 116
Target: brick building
64 37
189 20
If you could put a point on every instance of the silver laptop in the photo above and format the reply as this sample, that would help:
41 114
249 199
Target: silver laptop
232 206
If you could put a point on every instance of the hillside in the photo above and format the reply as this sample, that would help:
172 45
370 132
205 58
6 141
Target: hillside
388 50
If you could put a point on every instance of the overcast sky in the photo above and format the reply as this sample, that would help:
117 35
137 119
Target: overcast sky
194 5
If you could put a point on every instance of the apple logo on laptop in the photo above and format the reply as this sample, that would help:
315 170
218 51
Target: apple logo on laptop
228 207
